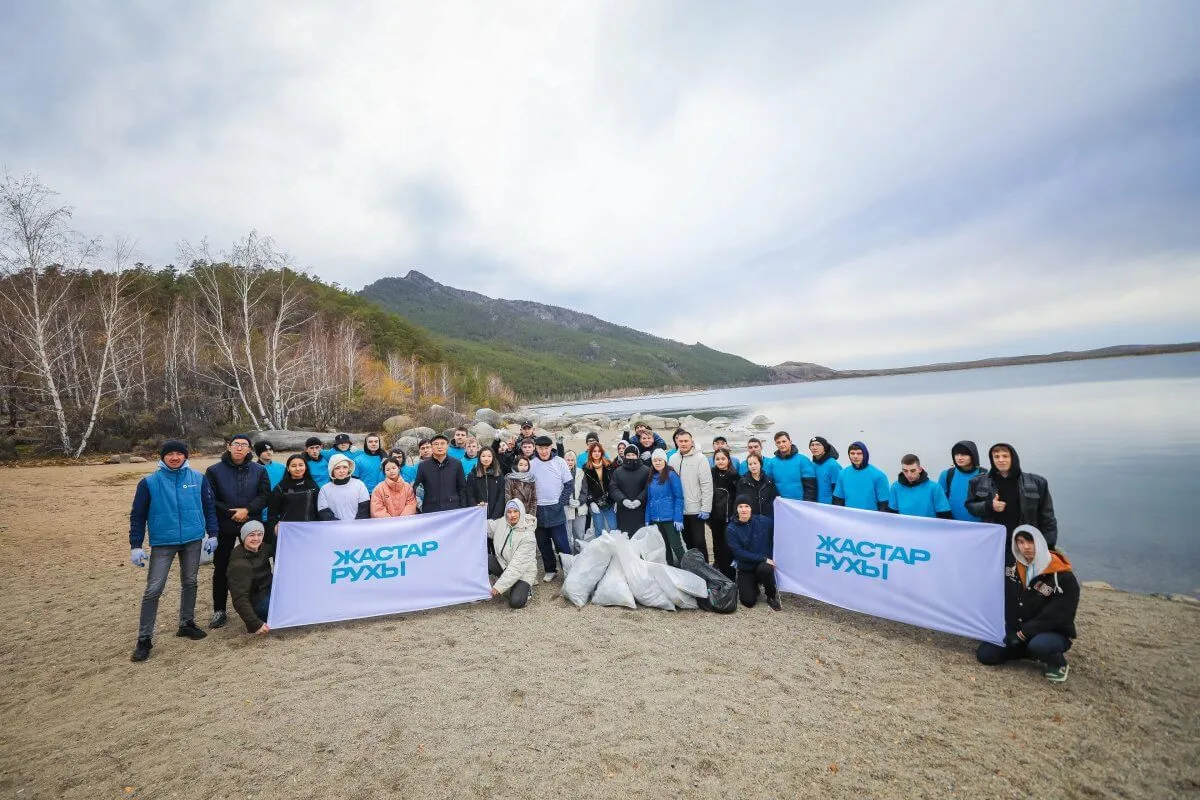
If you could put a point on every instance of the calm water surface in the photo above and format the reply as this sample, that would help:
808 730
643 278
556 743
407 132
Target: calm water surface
1118 440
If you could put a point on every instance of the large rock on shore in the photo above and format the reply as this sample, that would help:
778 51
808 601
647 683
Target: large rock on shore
419 433
398 424
407 443
489 416
484 432
294 440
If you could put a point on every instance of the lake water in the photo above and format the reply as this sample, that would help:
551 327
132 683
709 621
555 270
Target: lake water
1118 440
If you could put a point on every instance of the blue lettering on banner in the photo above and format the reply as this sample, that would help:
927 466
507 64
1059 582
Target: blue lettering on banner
859 556
387 561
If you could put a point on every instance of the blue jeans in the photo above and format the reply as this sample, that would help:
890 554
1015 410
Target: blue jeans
606 520
156 580
1045 647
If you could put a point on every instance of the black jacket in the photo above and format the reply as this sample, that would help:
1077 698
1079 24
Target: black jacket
444 484
630 484
293 501
489 489
244 485
249 576
1048 604
597 488
1032 495
762 494
724 493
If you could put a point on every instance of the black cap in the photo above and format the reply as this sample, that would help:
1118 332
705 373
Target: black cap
526 423
312 441
173 446
592 437
262 445
341 438
543 441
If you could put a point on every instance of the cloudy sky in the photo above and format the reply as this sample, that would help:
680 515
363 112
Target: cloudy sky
856 184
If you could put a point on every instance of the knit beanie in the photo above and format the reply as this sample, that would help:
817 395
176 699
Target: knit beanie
253 526
262 445
173 446
312 441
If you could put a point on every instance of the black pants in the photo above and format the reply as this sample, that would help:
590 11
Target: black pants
225 544
1045 647
722 555
748 581
693 534
518 595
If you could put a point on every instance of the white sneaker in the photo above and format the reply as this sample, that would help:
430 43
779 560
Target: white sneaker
549 577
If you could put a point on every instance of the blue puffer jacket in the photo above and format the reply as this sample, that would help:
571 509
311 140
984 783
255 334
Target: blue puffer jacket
752 542
242 485
368 468
794 475
664 501
177 505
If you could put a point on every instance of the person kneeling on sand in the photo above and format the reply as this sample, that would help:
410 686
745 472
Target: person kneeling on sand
751 537
1041 596
249 578
515 561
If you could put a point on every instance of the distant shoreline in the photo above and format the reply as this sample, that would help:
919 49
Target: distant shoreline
803 372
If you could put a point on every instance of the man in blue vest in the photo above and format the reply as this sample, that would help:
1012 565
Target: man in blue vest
177 505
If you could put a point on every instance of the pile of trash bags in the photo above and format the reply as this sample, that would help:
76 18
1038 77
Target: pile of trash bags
612 570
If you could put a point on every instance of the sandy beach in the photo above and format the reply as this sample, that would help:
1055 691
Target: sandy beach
551 701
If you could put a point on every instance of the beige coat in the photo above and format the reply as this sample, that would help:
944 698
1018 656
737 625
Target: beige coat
517 553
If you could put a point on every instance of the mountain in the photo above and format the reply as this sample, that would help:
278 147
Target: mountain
545 351
797 371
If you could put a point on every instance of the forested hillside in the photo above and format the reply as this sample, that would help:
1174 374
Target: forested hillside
99 351
547 351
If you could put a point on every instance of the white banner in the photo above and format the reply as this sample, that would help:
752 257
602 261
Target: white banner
329 571
934 573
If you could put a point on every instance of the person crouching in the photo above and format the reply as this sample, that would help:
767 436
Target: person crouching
751 537
515 561
1041 597
249 578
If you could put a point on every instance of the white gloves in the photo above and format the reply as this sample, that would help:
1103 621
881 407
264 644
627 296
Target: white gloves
594 508
629 503
137 557
636 504
678 527
573 503
210 544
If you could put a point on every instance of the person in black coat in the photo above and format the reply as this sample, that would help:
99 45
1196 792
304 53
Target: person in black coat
1008 496
725 481
241 487
758 487
294 498
627 488
442 479
485 484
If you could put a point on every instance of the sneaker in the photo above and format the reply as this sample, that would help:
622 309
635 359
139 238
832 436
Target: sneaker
190 630
774 603
549 577
142 651
219 619
1057 674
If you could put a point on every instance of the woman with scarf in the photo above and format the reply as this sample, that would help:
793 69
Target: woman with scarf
393 497
520 485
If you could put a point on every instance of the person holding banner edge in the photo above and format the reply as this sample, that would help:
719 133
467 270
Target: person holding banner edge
751 538
1041 598
250 578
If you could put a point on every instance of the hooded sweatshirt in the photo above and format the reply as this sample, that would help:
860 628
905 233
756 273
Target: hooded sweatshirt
368 467
955 482
318 468
864 487
827 468
1026 497
1041 595
343 499
919 498
516 549
794 475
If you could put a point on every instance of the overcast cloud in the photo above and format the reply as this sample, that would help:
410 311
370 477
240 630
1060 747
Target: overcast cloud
857 184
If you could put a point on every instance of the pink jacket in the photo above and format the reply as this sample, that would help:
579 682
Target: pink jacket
393 499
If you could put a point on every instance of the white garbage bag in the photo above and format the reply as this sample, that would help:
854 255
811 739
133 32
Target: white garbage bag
587 569
646 589
566 560
649 544
613 589
678 585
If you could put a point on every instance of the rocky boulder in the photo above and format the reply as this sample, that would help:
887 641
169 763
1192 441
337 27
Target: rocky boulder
294 440
408 444
398 424
418 433
762 421
484 432
489 416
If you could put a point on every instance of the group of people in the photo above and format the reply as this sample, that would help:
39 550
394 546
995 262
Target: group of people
542 499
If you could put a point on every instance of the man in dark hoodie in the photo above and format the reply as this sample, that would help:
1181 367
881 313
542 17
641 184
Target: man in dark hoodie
242 489
914 495
1040 600
956 479
1010 497
862 485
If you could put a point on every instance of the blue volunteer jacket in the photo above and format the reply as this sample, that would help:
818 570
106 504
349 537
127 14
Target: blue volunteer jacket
318 469
827 477
923 498
794 475
958 492
176 505
664 501
368 468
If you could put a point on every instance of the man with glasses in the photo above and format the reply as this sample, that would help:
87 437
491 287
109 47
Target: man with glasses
241 488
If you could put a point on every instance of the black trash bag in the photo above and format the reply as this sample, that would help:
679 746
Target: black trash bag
722 592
